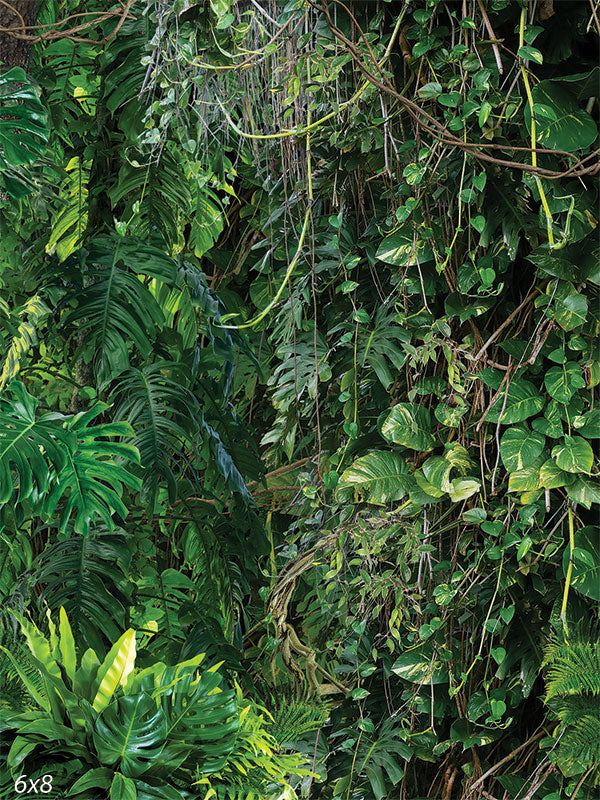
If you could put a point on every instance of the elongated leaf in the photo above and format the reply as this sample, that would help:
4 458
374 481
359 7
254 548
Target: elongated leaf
114 670
70 221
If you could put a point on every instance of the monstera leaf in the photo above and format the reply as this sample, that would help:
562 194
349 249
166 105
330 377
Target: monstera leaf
198 711
117 310
23 131
54 459
130 734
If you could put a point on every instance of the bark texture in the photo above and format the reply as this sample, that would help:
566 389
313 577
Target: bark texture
16 52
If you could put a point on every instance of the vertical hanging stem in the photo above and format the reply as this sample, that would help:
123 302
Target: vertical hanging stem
563 610
538 182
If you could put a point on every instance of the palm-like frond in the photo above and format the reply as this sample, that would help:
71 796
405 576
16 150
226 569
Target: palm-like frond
574 669
116 307
164 415
88 576
572 689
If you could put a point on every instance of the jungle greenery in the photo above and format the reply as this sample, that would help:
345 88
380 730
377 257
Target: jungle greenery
299 400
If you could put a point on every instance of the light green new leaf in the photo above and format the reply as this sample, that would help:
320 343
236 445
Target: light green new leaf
585 575
574 455
114 670
70 221
462 488
67 645
520 447
409 424
30 316
378 477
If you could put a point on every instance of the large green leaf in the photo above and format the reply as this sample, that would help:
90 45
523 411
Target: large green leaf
563 381
585 575
409 424
560 123
87 575
91 482
574 454
520 447
521 401
378 477
32 447
198 712
571 311
130 733
420 665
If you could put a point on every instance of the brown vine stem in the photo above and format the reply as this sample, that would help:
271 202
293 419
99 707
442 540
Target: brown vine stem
443 134
504 760
506 322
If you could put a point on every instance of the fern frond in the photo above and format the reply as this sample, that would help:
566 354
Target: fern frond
574 668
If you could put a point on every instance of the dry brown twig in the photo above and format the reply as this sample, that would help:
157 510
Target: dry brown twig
19 31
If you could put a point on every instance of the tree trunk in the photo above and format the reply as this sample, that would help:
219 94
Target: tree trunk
16 52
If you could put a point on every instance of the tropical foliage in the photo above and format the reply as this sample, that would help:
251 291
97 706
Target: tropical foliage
299 381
